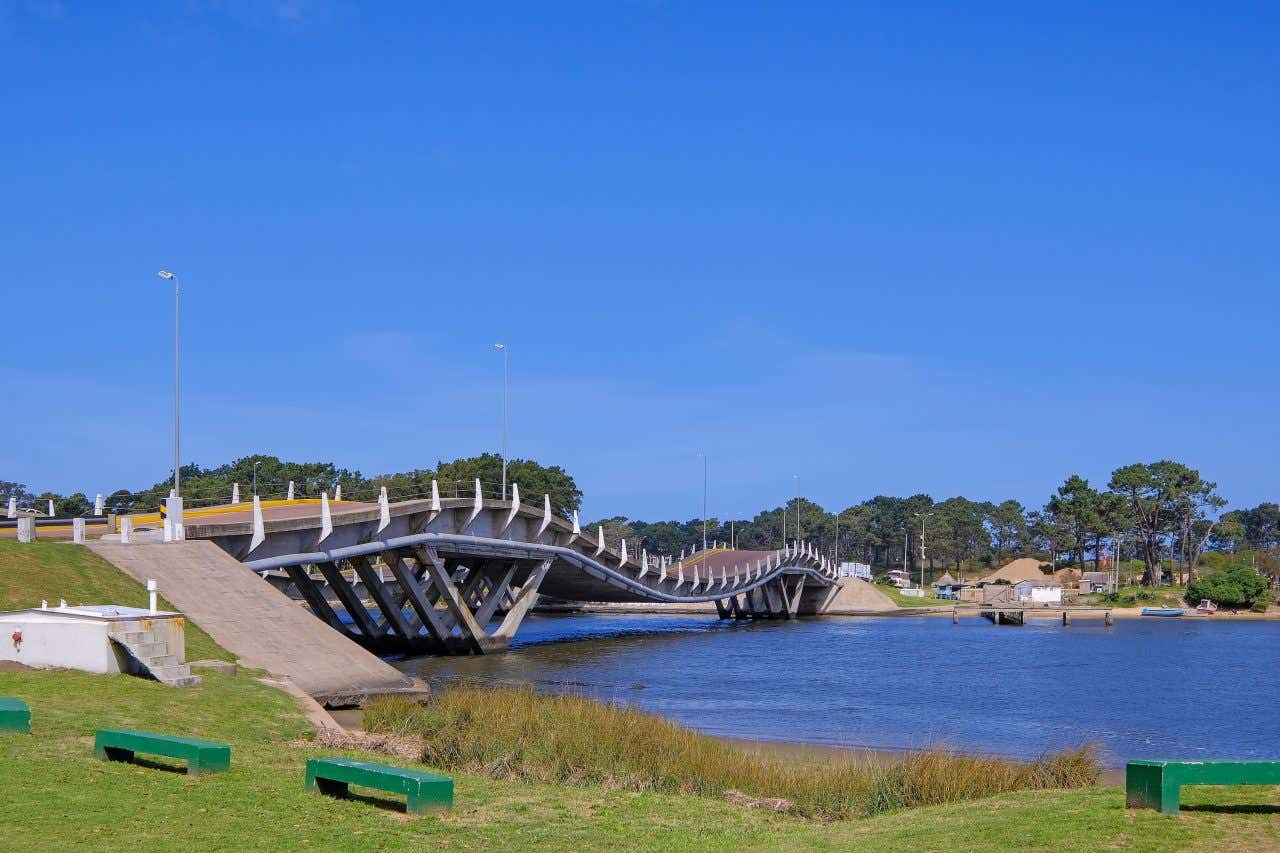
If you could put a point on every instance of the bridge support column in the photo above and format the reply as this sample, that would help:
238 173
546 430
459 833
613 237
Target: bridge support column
351 602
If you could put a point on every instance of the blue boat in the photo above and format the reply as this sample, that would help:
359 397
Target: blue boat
1162 611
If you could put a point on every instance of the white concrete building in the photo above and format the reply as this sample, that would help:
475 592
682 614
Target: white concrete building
1038 592
103 638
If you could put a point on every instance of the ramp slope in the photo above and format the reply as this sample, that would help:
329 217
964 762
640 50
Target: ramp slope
857 596
247 616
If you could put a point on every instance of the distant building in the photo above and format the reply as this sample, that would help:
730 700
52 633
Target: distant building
856 570
947 587
899 578
1038 592
1096 581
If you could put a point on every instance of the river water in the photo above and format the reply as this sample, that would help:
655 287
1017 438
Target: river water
1145 688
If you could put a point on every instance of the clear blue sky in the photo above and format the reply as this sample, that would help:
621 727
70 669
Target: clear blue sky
952 248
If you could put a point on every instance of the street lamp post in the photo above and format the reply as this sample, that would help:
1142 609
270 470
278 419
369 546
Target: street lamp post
837 548
705 478
255 477
796 477
505 375
177 416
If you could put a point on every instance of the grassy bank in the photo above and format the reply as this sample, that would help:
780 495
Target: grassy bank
901 600
51 571
59 796
521 734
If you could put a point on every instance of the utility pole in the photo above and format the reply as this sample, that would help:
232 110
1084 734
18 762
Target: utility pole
923 516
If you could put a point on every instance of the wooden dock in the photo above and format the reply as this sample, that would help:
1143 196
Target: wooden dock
1018 615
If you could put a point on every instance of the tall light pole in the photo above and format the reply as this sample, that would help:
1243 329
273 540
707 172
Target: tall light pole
922 516
837 551
505 374
906 533
255 477
705 480
796 477
177 410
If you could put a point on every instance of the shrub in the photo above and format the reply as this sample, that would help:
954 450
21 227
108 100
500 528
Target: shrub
1237 586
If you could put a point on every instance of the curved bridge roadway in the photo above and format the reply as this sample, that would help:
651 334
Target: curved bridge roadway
440 572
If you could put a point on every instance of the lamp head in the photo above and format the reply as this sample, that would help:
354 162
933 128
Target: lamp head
165 274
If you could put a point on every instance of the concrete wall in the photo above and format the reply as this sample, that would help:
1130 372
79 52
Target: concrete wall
49 640
58 639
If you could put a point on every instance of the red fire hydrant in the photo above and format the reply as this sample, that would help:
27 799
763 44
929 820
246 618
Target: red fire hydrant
17 640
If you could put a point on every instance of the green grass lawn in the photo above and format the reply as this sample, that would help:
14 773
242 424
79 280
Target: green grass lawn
907 601
58 570
1141 596
59 795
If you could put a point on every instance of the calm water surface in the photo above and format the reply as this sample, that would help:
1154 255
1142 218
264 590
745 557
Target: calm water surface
1145 688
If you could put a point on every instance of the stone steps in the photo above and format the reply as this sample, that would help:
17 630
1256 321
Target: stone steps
154 657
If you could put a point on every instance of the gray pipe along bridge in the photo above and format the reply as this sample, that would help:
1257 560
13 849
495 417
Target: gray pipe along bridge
458 575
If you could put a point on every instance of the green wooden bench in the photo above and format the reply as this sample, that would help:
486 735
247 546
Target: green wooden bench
202 756
15 716
424 790
1157 784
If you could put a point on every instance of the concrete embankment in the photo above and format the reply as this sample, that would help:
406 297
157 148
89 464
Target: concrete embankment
251 619
855 597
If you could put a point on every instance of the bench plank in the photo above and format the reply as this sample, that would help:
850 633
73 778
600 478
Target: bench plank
15 715
424 791
202 756
1158 784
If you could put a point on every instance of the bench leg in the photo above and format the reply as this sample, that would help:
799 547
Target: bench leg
1147 788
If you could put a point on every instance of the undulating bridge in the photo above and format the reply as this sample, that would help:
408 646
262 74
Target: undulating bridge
458 575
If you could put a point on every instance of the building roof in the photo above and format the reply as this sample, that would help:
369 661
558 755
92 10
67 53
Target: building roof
1097 577
945 580
1021 569
1046 581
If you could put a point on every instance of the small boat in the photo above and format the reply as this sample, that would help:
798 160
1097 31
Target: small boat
1162 611
1207 606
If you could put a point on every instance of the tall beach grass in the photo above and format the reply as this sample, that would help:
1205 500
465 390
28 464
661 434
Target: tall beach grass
566 739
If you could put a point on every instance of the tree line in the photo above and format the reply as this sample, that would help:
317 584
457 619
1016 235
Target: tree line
202 486
1165 515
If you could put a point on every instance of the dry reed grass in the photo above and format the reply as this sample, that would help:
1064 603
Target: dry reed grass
566 739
